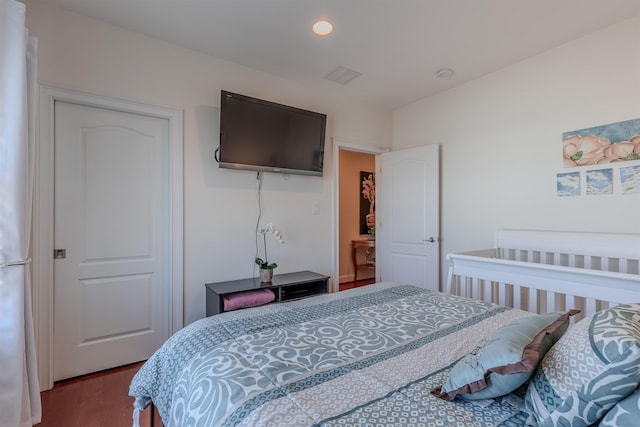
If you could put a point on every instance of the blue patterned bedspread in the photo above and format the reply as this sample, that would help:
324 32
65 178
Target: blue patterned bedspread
367 356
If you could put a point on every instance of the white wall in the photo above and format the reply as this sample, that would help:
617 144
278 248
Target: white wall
501 139
220 208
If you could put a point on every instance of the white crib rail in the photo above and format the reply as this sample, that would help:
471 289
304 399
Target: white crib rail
541 271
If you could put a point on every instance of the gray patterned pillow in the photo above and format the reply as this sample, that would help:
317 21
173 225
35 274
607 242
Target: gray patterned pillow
590 369
626 413
505 359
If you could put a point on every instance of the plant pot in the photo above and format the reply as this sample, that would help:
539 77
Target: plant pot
266 274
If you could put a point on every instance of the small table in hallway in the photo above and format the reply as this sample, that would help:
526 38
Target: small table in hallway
363 255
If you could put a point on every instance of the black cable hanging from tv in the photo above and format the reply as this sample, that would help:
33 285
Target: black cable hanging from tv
259 178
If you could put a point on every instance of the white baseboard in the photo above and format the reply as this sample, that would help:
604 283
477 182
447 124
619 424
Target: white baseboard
347 278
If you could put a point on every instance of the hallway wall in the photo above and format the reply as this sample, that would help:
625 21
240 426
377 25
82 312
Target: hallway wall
350 164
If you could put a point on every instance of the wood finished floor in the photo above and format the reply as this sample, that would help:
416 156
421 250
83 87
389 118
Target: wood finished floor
102 399
95 400
350 285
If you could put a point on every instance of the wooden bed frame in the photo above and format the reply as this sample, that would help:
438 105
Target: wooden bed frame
541 271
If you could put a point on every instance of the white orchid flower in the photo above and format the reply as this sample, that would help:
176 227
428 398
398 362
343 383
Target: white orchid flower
277 233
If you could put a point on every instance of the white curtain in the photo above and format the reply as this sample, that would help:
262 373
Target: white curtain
19 389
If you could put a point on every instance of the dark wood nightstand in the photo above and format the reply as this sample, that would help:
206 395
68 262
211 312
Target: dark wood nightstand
286 287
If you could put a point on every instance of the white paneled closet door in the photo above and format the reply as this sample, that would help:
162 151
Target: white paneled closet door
112 238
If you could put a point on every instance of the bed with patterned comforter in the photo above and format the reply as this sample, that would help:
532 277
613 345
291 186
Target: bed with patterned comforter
367 356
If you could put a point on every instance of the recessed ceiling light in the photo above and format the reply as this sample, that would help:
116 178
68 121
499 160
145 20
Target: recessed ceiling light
322 28
444 73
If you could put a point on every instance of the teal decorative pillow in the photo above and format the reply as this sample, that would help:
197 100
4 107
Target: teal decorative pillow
505 359
625 413
590 369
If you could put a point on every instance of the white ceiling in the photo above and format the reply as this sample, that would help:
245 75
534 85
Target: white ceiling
397 45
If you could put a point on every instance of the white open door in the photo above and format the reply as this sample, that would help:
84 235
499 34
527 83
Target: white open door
408 217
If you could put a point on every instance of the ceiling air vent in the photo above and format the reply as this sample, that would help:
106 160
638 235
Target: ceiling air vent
342 75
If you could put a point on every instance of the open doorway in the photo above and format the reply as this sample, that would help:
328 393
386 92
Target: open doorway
354 216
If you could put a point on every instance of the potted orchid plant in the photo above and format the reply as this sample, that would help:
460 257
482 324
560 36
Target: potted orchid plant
266 267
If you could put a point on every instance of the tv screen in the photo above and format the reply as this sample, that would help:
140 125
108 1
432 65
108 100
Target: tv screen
263 136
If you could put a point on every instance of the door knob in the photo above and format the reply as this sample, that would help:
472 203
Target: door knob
59 253
432 239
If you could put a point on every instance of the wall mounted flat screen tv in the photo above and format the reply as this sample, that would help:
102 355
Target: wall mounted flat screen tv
263 136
